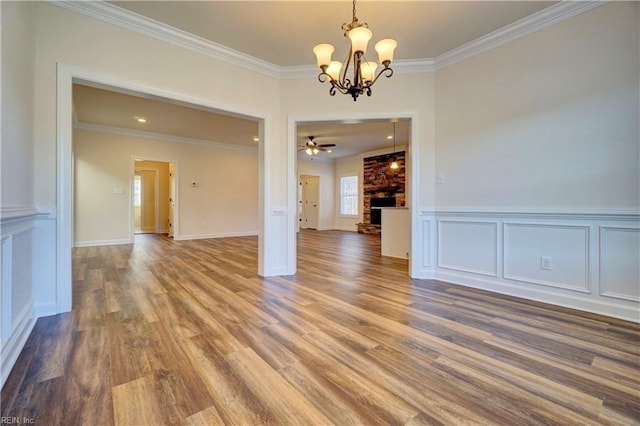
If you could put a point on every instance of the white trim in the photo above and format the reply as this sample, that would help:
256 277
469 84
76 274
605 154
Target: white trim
570 300
25 321
494 272
17 213
524 27
602 248
415 271
163 137
584 288
115 15
143 25
6 287
541 213
217 235
96 243
66 74
400 66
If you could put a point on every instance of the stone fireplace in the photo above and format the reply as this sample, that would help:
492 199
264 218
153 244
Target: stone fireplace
381 187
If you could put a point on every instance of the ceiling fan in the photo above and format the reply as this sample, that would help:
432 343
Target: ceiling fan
312 148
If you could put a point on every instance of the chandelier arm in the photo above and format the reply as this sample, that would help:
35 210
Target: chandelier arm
344 81
388 72
323 77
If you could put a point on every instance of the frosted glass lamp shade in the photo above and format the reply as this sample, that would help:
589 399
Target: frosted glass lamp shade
359 37
308 151
385 49
334 69
323 54
368 70
394 165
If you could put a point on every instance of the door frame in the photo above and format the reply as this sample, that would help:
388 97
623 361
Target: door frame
132 168
65 78
418 252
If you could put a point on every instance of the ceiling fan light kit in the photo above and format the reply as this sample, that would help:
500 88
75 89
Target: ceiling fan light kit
313 148
364 72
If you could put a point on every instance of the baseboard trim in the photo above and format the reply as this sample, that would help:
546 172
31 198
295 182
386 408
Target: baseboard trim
566 300
13 346
102 243
219 235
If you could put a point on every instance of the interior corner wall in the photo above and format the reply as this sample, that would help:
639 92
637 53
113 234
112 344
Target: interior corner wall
325 170
538 146
546 121
19 226
211 208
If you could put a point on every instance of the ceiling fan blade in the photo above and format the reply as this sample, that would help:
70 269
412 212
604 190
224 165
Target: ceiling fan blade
327 145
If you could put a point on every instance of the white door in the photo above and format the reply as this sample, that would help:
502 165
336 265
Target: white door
310 201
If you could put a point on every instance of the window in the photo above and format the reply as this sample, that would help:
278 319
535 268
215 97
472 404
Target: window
137 186
349 195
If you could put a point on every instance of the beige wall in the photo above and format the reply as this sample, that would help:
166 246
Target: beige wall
70 38
549 121
216 206
18 71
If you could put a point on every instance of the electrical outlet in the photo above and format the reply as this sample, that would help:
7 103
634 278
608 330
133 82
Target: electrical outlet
545 263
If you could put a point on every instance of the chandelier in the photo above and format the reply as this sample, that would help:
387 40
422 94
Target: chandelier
363 72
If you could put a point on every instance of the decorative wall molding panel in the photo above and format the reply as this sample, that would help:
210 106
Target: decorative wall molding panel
468 246
16 292
619 270
583 260
564 248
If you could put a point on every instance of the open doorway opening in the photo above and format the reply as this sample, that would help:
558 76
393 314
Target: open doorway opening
153 203
365 185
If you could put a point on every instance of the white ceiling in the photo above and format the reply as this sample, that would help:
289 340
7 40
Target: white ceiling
283 33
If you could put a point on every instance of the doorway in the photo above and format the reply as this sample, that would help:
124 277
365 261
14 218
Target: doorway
309 201
153 197
353 139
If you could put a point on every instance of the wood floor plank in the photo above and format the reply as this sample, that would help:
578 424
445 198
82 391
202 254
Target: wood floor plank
186 332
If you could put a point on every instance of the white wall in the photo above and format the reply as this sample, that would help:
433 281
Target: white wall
18 20
538 141
18 70
325 170
546 121
224 201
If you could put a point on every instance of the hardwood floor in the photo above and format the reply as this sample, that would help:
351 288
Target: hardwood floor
185 332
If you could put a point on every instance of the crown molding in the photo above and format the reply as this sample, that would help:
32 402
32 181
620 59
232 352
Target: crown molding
528 25
132 21
163 137
404 66
141 24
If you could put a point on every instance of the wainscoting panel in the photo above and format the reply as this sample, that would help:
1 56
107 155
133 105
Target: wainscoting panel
547 254
16 301
426 247
620 262
45 288
584 260
468 246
